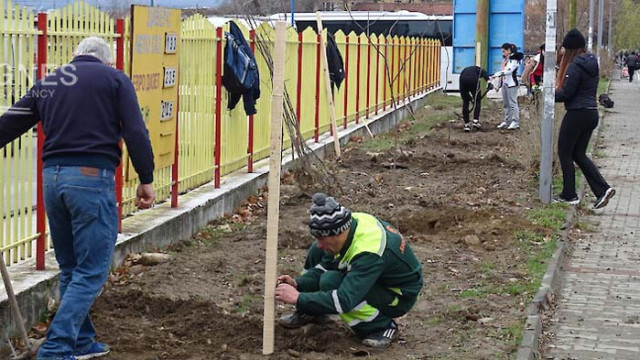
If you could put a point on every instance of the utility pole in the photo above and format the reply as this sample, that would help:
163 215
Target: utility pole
591 10
610 33
482 33
548 108
600 26
573 11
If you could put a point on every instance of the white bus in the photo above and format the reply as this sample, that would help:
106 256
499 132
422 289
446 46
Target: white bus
400 23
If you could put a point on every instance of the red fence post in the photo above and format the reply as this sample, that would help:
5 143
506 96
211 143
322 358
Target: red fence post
119 66
385 77
299 88
317 118
416 75
346 82
410 55
368 77
41 220
175 174
392 71
377 76
218 146
358 81
252 42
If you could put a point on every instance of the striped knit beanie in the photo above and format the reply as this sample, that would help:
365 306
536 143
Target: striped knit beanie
328 217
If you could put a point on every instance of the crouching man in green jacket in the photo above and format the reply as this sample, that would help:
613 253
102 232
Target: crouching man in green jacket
360 268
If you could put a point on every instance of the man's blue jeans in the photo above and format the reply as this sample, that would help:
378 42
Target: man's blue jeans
83 221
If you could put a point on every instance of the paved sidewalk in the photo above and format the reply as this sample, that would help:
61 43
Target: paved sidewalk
598 315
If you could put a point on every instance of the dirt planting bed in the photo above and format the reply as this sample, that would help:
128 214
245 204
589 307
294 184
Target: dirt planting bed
461 199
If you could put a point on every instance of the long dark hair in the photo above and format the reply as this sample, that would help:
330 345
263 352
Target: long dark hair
565 61
511 47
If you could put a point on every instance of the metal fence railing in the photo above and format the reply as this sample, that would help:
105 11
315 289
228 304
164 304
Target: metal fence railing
212 140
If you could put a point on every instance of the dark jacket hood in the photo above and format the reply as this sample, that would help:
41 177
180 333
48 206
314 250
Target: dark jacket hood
588 63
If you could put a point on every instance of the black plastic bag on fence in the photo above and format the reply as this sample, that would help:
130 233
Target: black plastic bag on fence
240 77
605 101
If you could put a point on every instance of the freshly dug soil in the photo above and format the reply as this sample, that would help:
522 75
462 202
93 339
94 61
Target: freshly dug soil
459 199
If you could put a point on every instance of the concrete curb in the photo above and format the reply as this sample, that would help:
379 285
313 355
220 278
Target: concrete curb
162 225
529 347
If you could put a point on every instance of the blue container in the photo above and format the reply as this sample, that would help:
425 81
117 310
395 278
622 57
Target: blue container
506 25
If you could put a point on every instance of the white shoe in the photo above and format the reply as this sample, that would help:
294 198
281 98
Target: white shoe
503 125
514 125
476 124
467 128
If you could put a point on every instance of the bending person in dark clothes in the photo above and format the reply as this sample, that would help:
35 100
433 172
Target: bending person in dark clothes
471 93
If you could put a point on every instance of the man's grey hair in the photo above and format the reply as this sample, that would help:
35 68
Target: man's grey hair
96 47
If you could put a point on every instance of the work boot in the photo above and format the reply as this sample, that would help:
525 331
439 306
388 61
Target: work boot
297 319
381 339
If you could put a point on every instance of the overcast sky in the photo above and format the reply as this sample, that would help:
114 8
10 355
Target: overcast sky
50 4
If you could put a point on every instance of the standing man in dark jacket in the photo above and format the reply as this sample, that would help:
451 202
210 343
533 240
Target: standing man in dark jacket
632 62
471 93
360 268
85 108
576 87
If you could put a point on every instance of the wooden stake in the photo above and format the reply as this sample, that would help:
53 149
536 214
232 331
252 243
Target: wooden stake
273 211
327 78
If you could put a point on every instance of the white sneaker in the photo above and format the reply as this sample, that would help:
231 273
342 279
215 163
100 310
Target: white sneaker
476 124
503 125
514 125
467 128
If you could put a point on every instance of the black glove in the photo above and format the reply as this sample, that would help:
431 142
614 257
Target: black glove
489 86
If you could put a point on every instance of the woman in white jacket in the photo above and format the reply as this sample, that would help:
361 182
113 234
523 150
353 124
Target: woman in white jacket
509 84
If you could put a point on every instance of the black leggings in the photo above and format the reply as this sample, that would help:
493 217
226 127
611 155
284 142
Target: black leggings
575 133
631 71
470 88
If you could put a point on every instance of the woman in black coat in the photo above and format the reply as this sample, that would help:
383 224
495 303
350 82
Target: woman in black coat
576 86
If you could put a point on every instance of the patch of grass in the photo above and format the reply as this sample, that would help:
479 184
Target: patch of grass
378 143
551 216
246 301
514 333
557 184
485 266
584 226
453 308
474 293
603 84
440 110
440 100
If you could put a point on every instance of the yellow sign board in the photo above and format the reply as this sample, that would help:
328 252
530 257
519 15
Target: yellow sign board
155 43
